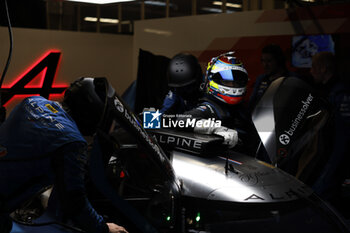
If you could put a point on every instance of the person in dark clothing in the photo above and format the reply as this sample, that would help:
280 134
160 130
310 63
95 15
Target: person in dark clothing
225 86
184 79
337 132
274 64
42 144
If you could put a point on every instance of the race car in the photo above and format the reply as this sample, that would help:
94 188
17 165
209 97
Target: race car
174 181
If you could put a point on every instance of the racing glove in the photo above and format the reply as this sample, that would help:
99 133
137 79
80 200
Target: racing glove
230 135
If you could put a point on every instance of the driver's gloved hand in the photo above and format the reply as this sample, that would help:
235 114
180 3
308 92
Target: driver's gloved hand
230 135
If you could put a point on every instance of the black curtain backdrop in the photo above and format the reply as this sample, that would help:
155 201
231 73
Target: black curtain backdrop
152 83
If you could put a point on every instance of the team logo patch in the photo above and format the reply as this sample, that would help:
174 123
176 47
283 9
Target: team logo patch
52 109
151 119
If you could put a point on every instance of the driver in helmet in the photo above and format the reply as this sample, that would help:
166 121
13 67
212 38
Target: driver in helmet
225 86
43 144
184 79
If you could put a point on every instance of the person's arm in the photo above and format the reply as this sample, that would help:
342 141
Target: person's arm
70 168
230 135
170 104
204 112
201 111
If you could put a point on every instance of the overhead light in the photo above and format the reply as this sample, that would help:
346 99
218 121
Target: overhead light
101 1
214 10
102 20
157 3
233 5
308 0
158 32
105 20
90 19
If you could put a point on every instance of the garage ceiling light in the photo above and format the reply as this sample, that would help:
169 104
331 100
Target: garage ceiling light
102 20
101 1
214 10
233 5
106 20
157 3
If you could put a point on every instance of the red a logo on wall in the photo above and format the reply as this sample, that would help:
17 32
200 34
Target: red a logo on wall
45 66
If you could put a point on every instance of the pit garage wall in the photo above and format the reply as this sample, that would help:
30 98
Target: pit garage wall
246 33
116 56
82 54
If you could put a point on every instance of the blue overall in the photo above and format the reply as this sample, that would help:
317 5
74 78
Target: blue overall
42 146
175 104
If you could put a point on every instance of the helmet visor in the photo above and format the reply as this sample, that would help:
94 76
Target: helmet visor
231 78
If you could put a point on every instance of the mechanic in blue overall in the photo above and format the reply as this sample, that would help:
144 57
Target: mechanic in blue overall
274 65
184 78
42 144
225 86
337 91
